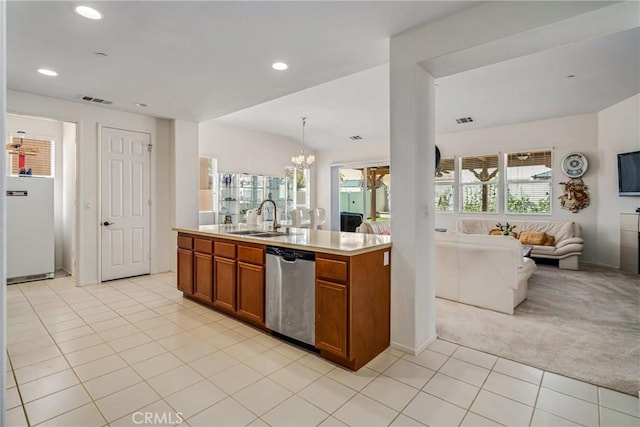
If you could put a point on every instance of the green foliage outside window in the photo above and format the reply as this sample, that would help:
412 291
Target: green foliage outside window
523 204
444 196
472 198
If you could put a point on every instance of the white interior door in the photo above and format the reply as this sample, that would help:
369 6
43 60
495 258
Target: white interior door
125 203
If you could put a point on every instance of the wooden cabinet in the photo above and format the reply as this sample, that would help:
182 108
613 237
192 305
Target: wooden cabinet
203 276
251 282
224 293
331 317
251 292
202 269
185 264
223 274
353 306
185 271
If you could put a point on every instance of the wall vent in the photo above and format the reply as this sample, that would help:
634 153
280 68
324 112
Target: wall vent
96 100
355 138
462 120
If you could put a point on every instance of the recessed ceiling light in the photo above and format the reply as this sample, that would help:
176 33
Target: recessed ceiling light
140 104
570 76
88 12
102 54
47 72
280 66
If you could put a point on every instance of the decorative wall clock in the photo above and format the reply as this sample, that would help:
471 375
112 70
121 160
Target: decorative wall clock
574 165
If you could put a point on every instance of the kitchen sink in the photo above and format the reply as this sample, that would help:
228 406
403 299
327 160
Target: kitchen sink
272 234
258 233
247 232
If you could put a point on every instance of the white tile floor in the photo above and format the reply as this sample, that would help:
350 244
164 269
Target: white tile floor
112 354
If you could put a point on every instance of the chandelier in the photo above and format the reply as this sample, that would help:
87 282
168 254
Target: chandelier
303 160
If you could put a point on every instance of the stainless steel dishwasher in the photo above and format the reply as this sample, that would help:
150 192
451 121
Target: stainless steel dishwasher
290 293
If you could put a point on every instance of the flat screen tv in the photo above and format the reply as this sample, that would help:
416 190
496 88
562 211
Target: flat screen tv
629 174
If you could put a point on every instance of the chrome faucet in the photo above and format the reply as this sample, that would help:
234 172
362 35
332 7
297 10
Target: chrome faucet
276 224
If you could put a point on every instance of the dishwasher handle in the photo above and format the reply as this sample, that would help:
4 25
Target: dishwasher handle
291 255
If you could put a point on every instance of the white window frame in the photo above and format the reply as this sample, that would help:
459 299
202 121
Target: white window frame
495 180
506 182
454 185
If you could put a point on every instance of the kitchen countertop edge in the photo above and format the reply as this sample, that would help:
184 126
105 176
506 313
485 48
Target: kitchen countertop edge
382 242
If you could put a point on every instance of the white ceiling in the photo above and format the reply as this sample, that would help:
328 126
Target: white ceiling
198 60
202 60
533 87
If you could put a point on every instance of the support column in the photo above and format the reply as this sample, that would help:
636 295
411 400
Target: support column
412 199
3 216
184 152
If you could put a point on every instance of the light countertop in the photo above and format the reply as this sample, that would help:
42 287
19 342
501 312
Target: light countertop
333 242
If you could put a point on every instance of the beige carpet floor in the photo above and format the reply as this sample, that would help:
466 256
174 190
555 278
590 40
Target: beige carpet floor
581 324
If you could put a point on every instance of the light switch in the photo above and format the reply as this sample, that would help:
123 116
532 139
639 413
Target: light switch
386 258
87 205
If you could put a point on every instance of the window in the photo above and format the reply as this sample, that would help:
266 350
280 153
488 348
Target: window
528 182
41 162
479 183
445 183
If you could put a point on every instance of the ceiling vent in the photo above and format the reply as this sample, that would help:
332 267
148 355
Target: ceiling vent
97 100
462 120
355 138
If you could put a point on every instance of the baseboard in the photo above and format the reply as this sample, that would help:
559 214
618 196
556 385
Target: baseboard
414 351
597 264
67 272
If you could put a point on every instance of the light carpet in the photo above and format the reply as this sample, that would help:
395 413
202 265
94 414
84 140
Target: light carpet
581 324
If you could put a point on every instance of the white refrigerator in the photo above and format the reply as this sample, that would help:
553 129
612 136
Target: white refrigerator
30 229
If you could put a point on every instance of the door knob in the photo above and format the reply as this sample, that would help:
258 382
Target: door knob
107 223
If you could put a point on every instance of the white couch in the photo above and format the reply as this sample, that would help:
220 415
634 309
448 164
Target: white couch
568 239
485 271
376 227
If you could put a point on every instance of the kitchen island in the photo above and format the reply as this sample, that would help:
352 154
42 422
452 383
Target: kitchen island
223 267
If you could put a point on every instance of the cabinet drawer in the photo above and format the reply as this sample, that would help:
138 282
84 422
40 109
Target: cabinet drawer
202 245
251 255
224 249
331 269
185 242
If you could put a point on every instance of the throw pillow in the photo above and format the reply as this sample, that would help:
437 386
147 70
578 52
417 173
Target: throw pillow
496 232
536 238
385 233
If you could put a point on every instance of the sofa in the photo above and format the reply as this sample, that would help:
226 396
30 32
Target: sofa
567 246
484 271
378 227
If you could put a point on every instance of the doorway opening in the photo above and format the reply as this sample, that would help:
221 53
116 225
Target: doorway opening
53 159
363 195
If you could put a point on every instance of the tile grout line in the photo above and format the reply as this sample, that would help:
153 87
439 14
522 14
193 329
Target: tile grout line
22 405
81 383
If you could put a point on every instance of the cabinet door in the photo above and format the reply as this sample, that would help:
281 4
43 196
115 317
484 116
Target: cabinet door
185 271
224 283
331 317
203 276
251 292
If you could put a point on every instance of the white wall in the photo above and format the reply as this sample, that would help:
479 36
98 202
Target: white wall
69 183
184 140
564 135
89 118
240 150
51 130
618 132
352 154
